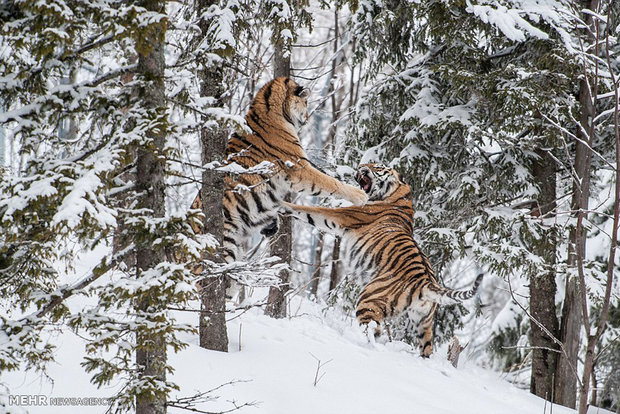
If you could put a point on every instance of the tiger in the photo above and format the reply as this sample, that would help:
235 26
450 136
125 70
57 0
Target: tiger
378 240
252 198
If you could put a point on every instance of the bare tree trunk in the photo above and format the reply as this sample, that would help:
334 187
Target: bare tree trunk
336 104
594 397
542 286
572 314
281 61
212 324
151 349
593 338
316 274
334 274
282 244
566 383
281 247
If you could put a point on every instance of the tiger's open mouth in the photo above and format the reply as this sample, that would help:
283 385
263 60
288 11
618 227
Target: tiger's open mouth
364 181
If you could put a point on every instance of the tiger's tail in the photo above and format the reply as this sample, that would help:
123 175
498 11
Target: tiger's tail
446 296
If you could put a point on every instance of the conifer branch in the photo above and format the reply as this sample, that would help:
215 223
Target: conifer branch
35 107
62 294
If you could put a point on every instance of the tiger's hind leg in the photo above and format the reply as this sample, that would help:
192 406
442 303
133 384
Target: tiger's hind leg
371 312
373 331
425 338
424 329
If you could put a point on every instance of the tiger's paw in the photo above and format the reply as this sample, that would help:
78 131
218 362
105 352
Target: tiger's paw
358 197
286 208
372 330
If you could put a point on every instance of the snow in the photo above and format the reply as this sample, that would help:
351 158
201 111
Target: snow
272 364
508 21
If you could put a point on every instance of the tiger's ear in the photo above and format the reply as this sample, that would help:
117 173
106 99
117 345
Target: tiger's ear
302 92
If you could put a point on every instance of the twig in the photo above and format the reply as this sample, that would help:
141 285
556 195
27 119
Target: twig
240 326
545 330
189 403
319 365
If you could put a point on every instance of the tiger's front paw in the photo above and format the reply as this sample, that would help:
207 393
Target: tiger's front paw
285 208
358 197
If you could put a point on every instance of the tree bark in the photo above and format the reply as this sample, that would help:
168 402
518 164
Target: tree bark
570 329
316 273
212 325
594 396
542 285
281 247
594 337
282 244
566 381
281 60
572 311
334 274
150 169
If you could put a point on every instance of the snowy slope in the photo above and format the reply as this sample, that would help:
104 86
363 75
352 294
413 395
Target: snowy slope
277 364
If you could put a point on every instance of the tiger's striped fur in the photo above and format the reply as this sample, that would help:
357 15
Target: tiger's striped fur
252 200
378 240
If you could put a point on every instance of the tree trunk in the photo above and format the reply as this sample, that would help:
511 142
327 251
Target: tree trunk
282 244
594 396
594 337
281 247
572 311
542 285
334 274
281 61
566 384
316 273
151 349
212 324
566 380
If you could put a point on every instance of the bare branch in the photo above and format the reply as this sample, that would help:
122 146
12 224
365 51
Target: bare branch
189 403
545 330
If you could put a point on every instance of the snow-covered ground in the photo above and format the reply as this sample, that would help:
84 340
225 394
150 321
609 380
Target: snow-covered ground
272 365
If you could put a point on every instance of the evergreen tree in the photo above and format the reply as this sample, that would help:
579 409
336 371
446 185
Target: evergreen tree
463 105
67 192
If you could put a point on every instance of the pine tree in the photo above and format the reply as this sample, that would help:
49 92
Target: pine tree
69 191
463 109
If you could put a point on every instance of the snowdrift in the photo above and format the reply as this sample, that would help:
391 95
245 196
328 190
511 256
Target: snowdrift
272 367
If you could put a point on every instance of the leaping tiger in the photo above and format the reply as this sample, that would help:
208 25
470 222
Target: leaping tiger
378 239
252 200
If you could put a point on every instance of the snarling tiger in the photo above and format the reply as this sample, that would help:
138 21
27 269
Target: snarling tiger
378 239
252 198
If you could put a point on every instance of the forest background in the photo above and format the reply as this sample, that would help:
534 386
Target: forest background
502 115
